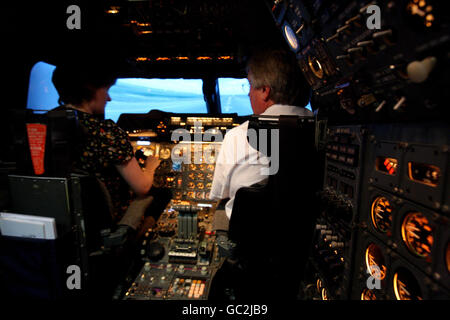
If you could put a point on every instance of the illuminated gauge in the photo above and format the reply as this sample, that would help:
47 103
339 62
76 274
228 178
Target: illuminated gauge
368 294
406 286
319 285
375 262
200 176
202 167
192 167
207 195
417 234
191 185
150 151
191 175
200 185
210 167
447 257
208 185
178 195
191 195
209 176
164 153
325 294
291 37
381 214
315 67
386 165
424 173
199 195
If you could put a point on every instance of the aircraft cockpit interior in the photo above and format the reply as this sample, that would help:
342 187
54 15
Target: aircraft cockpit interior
355 204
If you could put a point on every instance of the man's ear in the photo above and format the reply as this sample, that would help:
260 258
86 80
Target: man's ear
265 92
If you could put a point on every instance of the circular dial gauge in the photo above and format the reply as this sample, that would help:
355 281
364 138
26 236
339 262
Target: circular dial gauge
315 67
381 214
406 286
325 294
375 262
319 285
417 234
164 153
291 37
368 294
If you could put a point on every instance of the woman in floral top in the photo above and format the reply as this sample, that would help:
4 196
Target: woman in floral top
106 151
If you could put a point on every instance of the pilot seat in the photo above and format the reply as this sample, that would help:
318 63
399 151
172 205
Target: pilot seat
271 227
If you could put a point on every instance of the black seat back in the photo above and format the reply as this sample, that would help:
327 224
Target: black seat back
272 224
78 202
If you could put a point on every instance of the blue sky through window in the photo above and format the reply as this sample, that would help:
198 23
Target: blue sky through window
129 95
140 95
234 96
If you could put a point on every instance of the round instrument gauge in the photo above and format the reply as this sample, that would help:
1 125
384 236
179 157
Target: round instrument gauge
178 195
199 195
200 185
319 285
417 234
200 176
406 286
375 262
291 37
164 153
315 67
210 167
325 294
368 294
150 151
191 175
191 195
191 185
381 214
192 167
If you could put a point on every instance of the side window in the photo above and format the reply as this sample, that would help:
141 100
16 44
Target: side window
42 95
234 96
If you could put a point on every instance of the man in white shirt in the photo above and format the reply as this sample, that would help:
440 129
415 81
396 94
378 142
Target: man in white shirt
277 87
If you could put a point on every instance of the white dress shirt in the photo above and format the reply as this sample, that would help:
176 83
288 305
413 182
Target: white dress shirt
238 164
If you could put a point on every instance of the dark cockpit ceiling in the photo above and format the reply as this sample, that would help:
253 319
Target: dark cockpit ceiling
151 38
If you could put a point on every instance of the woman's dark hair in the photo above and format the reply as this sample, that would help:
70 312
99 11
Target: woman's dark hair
77 82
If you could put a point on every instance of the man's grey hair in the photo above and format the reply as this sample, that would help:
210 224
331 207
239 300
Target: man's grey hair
279 70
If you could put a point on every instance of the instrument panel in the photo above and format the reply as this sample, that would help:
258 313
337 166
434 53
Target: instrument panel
179 254
186 168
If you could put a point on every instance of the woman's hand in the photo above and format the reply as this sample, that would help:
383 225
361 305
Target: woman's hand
151 163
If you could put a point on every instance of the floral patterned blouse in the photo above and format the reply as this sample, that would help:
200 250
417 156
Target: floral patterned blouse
105 146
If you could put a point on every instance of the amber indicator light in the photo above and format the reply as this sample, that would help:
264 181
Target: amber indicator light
424 173
386 165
